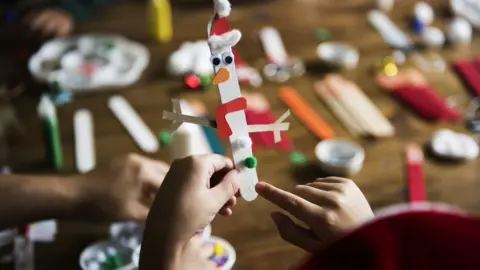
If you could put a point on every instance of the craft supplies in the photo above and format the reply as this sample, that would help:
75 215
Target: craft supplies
161 20
281 67
188 139
338 54
165 138
53 145
430 62
89 62
128 234
417 25
307 115
452 145
84 141
322 34
134 125
459 32
414 173
399 57
353 107
433 37
390 33
411 87
469 72
191 58
424 13
224 254
339 157
384 5
467 9
105 255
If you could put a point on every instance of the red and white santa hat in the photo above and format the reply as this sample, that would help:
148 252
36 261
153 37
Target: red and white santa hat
421 237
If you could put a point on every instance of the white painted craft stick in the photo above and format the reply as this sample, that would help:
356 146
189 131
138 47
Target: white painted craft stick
273 45
84 141
390 33
132 122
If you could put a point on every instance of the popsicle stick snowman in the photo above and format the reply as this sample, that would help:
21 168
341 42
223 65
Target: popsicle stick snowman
230 119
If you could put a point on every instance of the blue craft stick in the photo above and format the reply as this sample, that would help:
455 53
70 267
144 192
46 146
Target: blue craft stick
213 140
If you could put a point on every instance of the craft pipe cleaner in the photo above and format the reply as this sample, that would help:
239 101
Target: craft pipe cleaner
53 145
161 13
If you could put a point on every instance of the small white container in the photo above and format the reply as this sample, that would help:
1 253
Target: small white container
338 54
340 157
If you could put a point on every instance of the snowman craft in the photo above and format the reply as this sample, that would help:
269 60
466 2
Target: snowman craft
230 120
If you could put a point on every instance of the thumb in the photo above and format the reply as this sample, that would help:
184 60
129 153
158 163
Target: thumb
226 188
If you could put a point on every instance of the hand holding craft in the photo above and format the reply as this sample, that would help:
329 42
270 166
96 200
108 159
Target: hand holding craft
122 190
328 206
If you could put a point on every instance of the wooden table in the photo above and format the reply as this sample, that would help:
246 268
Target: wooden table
250 229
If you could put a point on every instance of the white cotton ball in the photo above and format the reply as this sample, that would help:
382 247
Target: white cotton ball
459 31
86 45
424 13
433 37
202 64
180 62
71 60
449 144
384 5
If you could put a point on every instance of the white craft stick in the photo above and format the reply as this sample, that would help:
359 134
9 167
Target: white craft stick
390 33
182 118
84 141
132 122
273 45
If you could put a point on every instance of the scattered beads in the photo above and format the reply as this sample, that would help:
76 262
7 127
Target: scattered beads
250 162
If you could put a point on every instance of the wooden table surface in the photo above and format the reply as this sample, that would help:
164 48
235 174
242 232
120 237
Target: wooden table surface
250 229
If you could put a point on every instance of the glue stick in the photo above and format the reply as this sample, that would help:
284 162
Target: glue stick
161 20
53 148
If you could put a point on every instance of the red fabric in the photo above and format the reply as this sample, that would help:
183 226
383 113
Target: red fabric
266 138
415 181
426 102
469 71
420 240
238 104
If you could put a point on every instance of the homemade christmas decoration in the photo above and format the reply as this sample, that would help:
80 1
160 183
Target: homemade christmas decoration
339 157
338 54
230 119
89 62
468 10
84 141
415 237
134 125
411 87
51 133
448 144
281 67
357 112
305 113
414 173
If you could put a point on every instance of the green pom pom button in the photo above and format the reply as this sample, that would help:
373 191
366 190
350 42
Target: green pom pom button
250 162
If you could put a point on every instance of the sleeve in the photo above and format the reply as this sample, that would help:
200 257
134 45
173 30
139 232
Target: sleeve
82 9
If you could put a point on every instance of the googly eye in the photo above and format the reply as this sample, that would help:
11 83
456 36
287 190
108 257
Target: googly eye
216 60
227 58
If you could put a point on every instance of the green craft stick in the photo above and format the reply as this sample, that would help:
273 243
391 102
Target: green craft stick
53 145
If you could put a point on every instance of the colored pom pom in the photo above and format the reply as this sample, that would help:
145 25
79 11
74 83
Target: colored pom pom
192 81
205 80
165 137
322 34
297 158
417 25
250 162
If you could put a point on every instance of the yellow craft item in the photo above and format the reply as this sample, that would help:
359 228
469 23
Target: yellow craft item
390 69
218 250
161 13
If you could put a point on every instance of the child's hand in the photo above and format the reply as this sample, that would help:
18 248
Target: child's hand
194 190
329 206
54 22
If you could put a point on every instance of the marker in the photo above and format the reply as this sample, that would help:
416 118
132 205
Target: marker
132 122
53 145
84 141
162 20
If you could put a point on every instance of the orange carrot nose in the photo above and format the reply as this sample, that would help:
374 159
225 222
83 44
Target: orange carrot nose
221 76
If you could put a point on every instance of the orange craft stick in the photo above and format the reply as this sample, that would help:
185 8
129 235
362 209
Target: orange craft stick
307 115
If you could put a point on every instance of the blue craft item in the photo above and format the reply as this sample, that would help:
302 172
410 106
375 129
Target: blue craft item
223 260
213 140
417 25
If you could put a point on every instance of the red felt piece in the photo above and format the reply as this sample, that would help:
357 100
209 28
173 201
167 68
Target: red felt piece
266 138
469 72
426 102
415 181
238 104
414 240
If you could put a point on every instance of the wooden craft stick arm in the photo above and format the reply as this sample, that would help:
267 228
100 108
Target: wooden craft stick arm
276 127
182 118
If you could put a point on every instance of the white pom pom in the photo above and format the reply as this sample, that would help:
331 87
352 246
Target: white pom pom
433 37
180 62
202 64
424 13
222 7
448 144
71 60
52 50
229 39
459 31
241 143
385 5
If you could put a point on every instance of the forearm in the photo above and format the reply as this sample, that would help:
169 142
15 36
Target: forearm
25 199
